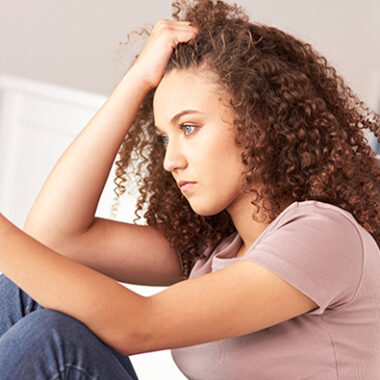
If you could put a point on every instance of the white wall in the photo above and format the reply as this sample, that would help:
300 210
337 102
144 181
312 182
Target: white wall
74 43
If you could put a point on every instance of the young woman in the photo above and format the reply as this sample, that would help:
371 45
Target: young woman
261 197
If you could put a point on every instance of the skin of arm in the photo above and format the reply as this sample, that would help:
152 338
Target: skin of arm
239 299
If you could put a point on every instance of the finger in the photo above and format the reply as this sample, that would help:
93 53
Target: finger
163 23
184 23
178 27
179 22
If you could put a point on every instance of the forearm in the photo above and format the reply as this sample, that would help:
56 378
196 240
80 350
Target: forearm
54 281
68 199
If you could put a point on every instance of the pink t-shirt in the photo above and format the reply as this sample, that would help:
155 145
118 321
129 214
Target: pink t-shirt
321 250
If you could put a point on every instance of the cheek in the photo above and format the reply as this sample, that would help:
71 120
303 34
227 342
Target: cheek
222 165
217 150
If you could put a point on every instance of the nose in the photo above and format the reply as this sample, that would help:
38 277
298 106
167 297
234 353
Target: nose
174 157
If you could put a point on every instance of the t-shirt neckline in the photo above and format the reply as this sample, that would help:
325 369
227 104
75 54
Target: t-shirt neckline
234 241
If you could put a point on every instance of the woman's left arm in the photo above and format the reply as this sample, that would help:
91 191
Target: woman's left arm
58 283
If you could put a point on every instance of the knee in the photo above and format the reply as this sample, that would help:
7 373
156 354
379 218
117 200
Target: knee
48 326
45 333
51 318
47 322
45 341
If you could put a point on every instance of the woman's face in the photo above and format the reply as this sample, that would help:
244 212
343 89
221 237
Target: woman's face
196 128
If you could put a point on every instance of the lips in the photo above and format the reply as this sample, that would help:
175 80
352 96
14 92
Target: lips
185 184
182 183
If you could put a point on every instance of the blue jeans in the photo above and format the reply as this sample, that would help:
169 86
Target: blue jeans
38 343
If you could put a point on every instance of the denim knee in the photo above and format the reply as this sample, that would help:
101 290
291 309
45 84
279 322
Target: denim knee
47 327
49 344
46 323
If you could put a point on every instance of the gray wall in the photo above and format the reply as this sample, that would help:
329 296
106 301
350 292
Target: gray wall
74 43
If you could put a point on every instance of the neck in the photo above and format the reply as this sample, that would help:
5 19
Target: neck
249 230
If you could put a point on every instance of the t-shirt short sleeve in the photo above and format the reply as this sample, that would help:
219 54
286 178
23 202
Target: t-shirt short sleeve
318 251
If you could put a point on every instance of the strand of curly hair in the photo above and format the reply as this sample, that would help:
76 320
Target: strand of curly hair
299 126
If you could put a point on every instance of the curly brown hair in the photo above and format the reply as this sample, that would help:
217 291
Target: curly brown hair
300 130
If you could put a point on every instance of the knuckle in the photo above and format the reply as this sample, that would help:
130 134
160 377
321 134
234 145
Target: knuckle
159 24
162 22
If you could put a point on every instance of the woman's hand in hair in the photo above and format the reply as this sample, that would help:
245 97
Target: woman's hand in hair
152 61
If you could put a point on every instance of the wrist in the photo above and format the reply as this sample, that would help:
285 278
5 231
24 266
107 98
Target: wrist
140 78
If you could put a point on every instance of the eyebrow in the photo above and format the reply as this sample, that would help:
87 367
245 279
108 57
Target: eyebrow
175 118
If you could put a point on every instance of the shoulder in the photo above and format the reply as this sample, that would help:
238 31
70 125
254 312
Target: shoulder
323 230
319 214
316 247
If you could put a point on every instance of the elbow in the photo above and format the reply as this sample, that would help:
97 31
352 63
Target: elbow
28 225
31 221
129 344
33 227
138 336
42 231
36 231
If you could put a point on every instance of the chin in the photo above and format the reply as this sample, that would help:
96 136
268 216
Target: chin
206 210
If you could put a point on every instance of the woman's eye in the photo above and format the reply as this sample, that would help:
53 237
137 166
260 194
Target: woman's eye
188 129
164 140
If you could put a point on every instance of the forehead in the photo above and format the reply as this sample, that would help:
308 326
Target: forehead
187 89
